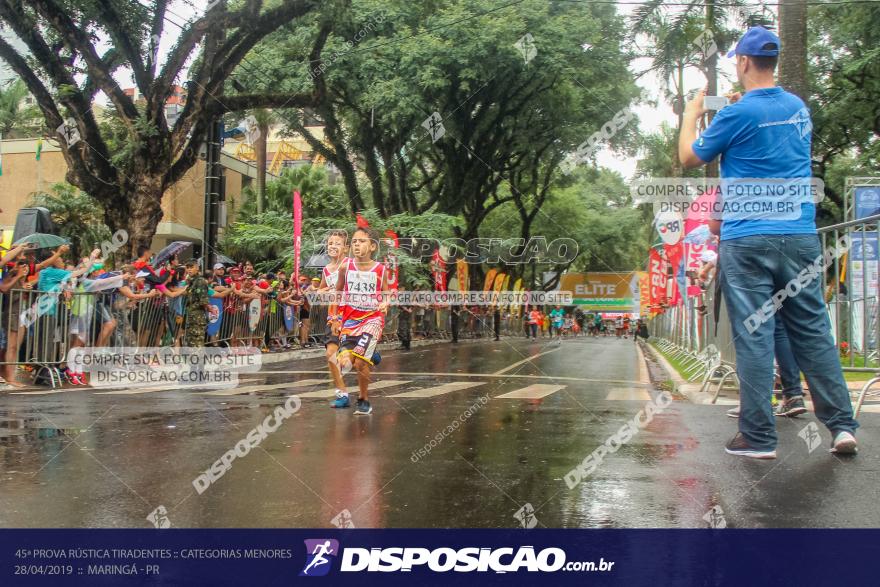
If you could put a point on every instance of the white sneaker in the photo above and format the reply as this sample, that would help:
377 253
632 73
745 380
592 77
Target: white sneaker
844 444
733 412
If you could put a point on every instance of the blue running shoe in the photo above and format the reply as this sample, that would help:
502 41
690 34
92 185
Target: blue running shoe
364 408
341 401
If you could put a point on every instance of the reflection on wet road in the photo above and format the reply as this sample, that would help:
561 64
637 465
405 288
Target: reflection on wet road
461 436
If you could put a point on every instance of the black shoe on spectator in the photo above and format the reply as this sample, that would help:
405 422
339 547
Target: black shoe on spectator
739 446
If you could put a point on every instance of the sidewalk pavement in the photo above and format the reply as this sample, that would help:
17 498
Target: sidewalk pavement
691 390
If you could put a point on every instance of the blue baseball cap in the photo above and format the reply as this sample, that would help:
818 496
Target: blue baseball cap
757 43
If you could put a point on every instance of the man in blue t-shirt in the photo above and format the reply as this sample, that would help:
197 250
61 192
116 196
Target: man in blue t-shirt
770 253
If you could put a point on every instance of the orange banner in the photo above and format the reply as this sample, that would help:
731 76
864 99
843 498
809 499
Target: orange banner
490 279
461 271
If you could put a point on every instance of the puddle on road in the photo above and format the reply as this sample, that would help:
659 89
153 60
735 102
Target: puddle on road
16 430
9 436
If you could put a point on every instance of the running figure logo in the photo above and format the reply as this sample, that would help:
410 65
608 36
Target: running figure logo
715 517
320 553
526 46
159 517
343 520
810 434
526 516
434 125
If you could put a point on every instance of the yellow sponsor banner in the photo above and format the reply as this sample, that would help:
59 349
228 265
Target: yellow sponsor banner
5 240
604 291
499 283
644 293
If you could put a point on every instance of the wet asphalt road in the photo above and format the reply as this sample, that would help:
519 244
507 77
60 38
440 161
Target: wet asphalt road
80 458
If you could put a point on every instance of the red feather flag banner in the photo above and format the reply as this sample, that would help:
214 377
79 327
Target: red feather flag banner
391 259
438 268
393 237
297 233
674 256
658 277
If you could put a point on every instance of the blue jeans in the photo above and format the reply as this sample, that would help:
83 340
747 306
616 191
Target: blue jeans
754 269
789 372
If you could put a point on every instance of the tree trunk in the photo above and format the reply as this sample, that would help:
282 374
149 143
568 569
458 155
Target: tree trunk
139 213
260 149
349 179
388 160
712 73
793 57
680 98
679 93
374 176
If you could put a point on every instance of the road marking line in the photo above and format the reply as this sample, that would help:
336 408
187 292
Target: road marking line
252 388
216 392
48 392
534 391
434 375
644 377
150 390
526 360
628 394
439 389
324 393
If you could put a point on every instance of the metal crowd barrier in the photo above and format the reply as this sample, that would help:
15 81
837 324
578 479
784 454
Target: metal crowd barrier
688 334
112 320
854 311
318 325
39 342
37 329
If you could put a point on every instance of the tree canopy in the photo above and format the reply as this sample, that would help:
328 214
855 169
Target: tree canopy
66 66
509 115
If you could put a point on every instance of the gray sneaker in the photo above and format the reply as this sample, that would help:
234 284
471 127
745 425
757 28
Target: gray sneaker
733 412
791 407
844 444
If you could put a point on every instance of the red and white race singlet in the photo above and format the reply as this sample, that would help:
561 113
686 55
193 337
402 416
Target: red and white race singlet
362 291
331 277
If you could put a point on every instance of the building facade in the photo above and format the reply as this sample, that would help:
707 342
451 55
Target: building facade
182 205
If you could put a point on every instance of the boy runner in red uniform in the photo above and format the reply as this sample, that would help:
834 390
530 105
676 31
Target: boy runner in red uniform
363 284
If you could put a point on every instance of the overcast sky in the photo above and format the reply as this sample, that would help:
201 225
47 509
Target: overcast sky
651 117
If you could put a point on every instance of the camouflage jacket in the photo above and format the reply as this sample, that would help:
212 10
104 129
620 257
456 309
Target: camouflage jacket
197 294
